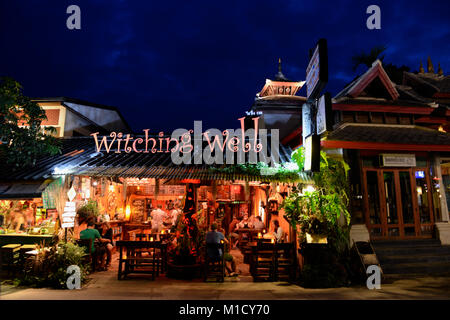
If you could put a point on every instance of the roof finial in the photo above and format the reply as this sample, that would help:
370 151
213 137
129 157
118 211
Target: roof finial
430 68
421 70
280 76
440 71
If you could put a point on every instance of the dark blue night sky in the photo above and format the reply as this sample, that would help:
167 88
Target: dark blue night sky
165 64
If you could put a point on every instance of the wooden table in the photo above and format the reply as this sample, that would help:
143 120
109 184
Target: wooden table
13 238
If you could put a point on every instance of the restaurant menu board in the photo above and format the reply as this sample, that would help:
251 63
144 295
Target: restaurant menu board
203 193
138 210
68 216
223 193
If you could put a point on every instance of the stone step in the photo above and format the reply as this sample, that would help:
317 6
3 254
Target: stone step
413 258
407 243
388 251
423 268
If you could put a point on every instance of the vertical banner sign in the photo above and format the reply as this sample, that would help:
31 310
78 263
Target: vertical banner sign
324 114
306 121
317 70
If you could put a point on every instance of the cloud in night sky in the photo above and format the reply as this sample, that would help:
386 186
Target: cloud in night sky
165 64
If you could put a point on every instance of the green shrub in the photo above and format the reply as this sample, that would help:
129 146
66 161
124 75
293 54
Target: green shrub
50 267
87 211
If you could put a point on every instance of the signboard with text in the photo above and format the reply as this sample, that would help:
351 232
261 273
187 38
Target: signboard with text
68 216
398 160
306 121
324 114
317 70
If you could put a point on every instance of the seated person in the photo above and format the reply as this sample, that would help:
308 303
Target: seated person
258 224
107 233
233 235
278 231
98 251
214 237
245 224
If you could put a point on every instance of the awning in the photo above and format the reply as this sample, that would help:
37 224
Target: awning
22 190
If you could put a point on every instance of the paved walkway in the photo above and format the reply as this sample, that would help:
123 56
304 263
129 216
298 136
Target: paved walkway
104 285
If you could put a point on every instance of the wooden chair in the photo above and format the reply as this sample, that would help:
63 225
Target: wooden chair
214 268
263 262
132 262
90 257
23 249
284 261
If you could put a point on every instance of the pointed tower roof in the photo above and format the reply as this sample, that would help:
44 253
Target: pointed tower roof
280 86
421 69
440 71
430 68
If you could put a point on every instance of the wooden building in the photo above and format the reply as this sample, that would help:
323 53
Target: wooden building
396 141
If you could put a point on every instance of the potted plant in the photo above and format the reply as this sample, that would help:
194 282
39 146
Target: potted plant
88 211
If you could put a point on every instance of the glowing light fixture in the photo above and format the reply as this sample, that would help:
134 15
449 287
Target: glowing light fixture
309 188
127 212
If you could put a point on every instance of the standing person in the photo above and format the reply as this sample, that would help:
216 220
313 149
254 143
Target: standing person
174 214
157 219
278 231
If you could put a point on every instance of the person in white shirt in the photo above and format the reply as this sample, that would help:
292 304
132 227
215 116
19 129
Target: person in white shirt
278 231
157 219
258 224
174 214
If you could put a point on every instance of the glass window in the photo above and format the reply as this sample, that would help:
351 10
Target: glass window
373 197
406 197
423 194
391 204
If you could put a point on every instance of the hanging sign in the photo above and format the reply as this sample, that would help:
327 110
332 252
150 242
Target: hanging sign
306 121
324 114
71 193
317 70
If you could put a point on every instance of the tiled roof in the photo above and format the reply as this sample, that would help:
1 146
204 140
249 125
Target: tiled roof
389 134
79 157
